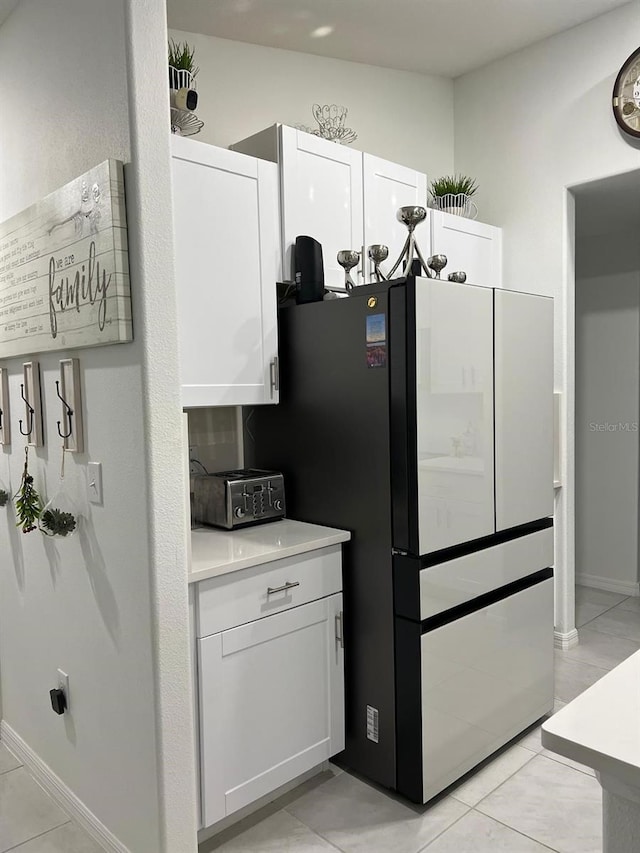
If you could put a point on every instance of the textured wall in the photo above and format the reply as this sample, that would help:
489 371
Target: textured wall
403 117
109 606
527 127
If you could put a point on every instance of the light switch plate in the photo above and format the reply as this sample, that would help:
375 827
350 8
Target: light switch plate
94 482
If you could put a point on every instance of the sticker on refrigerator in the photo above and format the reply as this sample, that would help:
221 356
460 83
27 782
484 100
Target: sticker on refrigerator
373 724
376 340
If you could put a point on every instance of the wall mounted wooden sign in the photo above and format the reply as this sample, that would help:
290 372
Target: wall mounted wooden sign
64 273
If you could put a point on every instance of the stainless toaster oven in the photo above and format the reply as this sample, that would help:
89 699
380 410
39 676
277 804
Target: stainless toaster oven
233 499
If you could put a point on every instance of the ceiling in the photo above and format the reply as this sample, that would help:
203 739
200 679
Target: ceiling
608 206
443 37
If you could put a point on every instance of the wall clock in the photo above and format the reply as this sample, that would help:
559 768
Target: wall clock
626 96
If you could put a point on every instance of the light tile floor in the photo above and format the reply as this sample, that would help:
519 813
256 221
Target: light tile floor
524 800
30 822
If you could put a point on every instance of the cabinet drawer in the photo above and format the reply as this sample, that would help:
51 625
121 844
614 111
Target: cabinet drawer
456 581
244 596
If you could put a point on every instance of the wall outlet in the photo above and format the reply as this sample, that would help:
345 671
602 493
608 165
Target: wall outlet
63 684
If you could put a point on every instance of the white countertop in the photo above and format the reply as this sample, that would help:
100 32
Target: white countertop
601 727
216 552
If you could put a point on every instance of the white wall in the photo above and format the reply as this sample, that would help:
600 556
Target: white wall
526 127
109 606
607 396
398 115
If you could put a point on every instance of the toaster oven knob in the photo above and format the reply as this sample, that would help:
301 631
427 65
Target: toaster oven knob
239 512
278 504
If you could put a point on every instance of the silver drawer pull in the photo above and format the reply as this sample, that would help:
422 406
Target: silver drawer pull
271 590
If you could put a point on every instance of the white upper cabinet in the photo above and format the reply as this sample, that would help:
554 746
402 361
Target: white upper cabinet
227 265
473 247
343 198
321 198
387 187
524 407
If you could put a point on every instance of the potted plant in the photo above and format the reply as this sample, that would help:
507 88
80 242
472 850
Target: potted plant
182 69
57 522
452 194
4 497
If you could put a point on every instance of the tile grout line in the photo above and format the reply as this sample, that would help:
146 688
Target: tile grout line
570 766
533 755
311 829
11 769
602 614
513 829
35 837
436 837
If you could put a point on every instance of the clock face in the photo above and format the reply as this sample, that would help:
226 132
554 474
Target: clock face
626 96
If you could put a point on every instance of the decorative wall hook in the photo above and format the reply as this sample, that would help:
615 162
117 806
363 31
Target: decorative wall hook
68 392
68 412
5 419
30 411
30 393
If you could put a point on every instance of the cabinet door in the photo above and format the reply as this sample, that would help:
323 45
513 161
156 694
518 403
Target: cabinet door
474 247
226 237
454 404
321 198
524 408
271 703
388 186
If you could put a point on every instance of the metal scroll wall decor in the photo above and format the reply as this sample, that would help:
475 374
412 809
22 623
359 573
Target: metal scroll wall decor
331 124
411 216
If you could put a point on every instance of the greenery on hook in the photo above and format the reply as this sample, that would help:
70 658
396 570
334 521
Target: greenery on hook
57 522
452 185
181 57
4 497
28 503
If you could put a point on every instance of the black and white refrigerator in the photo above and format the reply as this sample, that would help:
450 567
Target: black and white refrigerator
418 414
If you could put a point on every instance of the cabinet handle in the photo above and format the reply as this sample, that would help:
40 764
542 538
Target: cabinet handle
271 590
274 375
339 629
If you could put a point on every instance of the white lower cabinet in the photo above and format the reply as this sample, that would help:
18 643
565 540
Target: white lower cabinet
271 701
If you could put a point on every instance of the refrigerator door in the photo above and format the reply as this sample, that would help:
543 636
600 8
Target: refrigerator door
524 408
485 677
454 413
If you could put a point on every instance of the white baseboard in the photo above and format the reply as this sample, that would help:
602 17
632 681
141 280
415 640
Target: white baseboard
608 584
565 641
63 795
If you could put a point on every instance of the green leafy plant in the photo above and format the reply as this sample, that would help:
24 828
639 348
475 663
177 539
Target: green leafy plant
57 522
4 497
181 57
28 503
452 185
